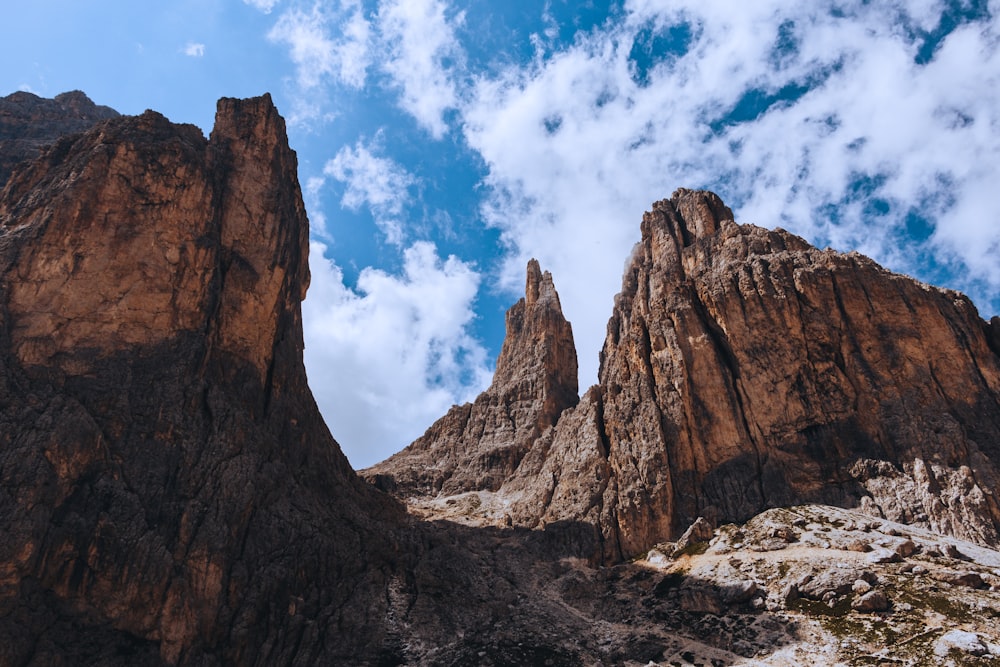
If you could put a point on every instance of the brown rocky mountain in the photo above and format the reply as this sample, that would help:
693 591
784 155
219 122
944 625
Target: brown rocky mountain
159 445
480 445
28 123
169 493
744 369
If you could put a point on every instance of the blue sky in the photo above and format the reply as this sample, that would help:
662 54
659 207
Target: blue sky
442 143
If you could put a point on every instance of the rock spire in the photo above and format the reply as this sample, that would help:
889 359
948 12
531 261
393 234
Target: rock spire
479 445
744 369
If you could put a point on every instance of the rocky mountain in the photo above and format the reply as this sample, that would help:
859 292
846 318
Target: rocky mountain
743 370
480 445
169 493
28 123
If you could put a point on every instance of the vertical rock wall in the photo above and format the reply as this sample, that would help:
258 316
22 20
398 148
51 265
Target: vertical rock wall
744 369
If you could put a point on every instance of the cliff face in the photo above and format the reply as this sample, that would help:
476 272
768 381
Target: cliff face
29 123
744 369
170 494
169 489
480 445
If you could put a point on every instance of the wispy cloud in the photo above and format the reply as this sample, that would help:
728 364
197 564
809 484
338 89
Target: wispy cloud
423 50
326 43
387 359
263 5
377 182
194 49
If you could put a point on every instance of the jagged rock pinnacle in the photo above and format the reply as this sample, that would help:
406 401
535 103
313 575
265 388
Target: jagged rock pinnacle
744 369
479 445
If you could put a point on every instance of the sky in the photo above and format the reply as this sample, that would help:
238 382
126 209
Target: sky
443 143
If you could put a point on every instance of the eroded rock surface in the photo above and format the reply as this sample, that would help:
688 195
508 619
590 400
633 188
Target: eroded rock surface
168 489
170 495
29 123
479 445
744 369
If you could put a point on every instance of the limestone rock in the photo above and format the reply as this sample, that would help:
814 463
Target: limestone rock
871 601
29 123
169 489
478 446
960 641
743 369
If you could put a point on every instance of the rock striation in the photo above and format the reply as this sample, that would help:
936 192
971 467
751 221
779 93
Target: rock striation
480 445
744 369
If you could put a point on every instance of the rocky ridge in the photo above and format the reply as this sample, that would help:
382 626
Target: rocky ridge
169 493
744 369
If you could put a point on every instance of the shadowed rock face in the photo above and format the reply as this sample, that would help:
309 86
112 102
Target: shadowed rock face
744 369
28 123
166 482
480 445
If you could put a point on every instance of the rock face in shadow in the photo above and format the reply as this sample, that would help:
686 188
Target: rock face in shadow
168 488
744 369
29 123
480 445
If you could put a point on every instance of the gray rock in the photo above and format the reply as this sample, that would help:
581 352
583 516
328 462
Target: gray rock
874 600
962 641
883 555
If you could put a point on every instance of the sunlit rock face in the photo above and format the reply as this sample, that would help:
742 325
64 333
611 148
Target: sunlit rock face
744 369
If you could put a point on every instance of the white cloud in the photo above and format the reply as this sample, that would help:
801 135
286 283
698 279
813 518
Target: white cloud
319 54
194 49
422 50
263 5
579 144
377 182
388 359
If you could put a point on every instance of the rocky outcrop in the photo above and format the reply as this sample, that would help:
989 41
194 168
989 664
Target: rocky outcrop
480 445
169 493
744 369
29 123
168 489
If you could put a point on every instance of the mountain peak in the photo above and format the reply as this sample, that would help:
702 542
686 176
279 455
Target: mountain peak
481 444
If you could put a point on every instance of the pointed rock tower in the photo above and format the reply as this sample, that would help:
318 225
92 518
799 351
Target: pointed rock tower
743 369
479 445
